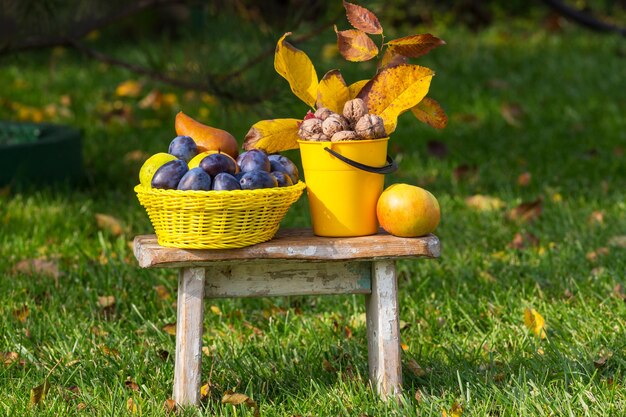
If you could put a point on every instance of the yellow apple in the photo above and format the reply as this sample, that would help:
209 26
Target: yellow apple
408 211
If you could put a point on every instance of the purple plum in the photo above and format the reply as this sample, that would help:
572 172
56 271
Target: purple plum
183 147
169 174
195 179
284 164
225 182
282 178
218 162
254 160
253 180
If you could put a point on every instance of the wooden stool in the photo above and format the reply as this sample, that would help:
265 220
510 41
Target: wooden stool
295 262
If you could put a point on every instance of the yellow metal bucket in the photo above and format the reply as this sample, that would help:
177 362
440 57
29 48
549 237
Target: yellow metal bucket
344 181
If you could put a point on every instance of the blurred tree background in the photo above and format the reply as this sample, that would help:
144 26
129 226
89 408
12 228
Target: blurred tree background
218 59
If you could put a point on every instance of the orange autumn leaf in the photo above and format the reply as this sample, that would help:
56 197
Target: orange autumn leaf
414 46
430 112
296 67
275 135
526 211
129 88
362 19
355 88
395 90
535 322
354 45
110 223
235 398
332 92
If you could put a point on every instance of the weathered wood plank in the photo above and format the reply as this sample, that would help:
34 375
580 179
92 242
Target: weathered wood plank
383 330
189 317
292 244
267 278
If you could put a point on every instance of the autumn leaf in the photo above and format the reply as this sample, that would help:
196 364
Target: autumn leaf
521 241
619 241
169 406
216 310
131 385
391 59
162 292
414 46
596 217
205 391
465 172
535 322
395 90
132 406
8 358
484 202
234 398
106 301
512 114
129 88
22 313
110 223
362 19
415 368
37 267
275 135
38 394
527 211
430 112
355 88
523 179
332 92
355 46
169 328
296 67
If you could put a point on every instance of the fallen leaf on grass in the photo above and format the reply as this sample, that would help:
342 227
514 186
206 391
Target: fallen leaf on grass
327 366
97 331
216 310
205 391
132 406
37 267
437 149
106 301
404 347
128 88
22 313
593 256
465 172
484 202
521 241
527 211
455 411
156 100
132 385
618 291
110 223
170 328
512 113
602 359
535 322
136 156
38 394
109 351
596 218
9 358
162 292
169 406
415 368
235 398
523 179
619 241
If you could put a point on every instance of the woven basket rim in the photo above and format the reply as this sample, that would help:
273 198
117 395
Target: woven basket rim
243 193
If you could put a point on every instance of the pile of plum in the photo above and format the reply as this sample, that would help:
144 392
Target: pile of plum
219 171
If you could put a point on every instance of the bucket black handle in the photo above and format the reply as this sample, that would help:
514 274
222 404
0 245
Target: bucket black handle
389 168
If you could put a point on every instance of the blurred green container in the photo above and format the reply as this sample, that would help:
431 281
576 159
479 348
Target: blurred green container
39 153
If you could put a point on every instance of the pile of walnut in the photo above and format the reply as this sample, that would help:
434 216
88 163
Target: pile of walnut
355 124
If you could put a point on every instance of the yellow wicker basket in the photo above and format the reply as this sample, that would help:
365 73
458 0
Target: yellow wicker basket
216 219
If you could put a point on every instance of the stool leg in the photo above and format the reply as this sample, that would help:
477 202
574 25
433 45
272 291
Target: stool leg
383 330
189 317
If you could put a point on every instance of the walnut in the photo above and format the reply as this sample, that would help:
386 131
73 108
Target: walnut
309 128
370 126
353 110
344 135
333 124
322 113
319 137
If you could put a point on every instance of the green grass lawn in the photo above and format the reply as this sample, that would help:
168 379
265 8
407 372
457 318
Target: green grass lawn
519 101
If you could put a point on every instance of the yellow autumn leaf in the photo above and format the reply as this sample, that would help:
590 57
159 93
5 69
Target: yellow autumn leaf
430 112
129 88
273 135
296 67
332 92
395 90
355 88
38 394
415 45
535 322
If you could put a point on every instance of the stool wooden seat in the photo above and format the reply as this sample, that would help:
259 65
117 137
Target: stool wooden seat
295 262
